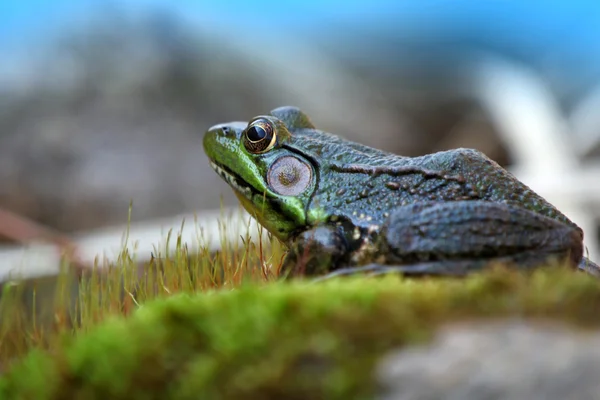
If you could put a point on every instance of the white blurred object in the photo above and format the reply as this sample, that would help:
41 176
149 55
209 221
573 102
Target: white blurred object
585 122
541 139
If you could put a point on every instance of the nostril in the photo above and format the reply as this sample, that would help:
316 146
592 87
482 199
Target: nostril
226 130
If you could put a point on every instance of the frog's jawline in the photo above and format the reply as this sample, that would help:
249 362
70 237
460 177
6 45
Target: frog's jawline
232 179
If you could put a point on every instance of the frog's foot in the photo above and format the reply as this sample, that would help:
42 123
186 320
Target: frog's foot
449 268
455 269
314 252
459 268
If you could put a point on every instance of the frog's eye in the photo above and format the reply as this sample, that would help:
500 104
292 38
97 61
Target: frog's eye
259 136
289 176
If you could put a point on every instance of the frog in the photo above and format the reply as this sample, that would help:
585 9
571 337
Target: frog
342 207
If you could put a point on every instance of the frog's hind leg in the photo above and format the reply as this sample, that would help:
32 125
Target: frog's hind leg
455 238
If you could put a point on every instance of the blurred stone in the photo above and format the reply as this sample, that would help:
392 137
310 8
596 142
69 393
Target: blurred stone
503 360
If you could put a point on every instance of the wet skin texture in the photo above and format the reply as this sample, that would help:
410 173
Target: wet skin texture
342 207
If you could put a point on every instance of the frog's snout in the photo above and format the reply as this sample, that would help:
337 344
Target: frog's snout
229 129
224 128
222 136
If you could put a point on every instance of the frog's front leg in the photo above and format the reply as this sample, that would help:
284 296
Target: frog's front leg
315 252
455 238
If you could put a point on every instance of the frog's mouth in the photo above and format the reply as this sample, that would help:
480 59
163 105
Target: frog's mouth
234 180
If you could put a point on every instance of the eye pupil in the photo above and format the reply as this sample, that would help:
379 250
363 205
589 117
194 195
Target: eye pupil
256 133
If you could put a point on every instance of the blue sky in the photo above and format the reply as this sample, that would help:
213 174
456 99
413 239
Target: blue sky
562 25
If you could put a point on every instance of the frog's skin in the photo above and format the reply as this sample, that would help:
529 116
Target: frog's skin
342 207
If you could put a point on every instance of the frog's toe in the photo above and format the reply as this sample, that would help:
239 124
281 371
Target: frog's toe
452 268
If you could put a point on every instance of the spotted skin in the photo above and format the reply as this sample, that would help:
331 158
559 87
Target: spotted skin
445 213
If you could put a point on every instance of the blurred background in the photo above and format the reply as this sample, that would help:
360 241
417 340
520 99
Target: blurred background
105 102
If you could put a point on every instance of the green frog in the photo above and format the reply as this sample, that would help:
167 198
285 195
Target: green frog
342 207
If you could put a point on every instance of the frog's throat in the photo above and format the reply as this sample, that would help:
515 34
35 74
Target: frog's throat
242 192
280 227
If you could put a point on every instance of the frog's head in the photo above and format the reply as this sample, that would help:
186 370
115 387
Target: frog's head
273 179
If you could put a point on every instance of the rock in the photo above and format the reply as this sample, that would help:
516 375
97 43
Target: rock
504 360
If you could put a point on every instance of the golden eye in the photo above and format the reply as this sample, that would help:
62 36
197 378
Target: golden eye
289 176
259 136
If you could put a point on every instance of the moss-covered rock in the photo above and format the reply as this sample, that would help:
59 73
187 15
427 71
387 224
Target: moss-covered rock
290 340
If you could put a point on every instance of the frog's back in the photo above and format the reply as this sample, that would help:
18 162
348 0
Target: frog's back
369 182
489 180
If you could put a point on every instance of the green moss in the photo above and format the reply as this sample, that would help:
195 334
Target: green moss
285 340
35 312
